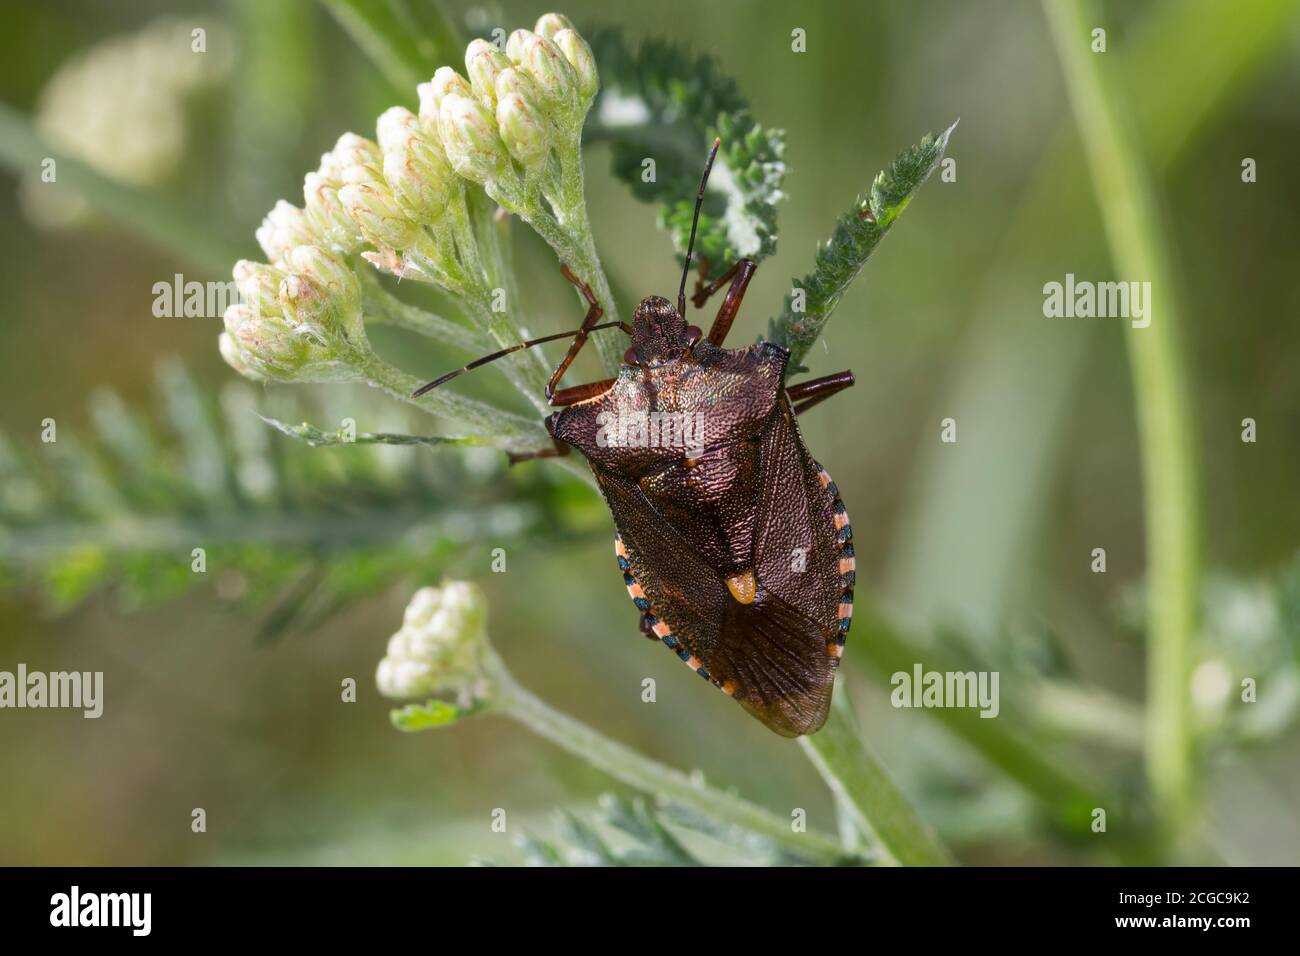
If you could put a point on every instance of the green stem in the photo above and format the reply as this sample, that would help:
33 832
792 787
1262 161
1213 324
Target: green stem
406 44
529 371
380 305
512 432
1230 45
626 765
1122 186
1086 713
408 527
866 793
573 220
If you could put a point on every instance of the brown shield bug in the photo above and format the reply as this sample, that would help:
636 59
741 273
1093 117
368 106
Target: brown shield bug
732 540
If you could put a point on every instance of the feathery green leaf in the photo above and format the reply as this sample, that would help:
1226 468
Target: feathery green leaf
808 306
663 104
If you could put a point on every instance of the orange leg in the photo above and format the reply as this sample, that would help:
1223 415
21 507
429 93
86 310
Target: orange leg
594 313
739 276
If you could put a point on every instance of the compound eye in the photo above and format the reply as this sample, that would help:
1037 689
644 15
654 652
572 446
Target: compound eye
630 357
693 334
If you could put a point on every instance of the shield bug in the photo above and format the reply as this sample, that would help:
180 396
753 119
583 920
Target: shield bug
732 540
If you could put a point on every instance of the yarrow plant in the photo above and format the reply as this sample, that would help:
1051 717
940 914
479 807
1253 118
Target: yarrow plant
425 201
442 648
430 200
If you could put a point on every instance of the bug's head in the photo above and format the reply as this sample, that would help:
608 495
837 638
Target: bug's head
659 333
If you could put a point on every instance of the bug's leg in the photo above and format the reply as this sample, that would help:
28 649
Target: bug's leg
580 393
559 451
703 289
594 313
565 396
739 275
699 296
807 394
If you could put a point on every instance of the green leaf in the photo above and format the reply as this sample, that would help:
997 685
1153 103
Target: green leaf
430 714
289 534
587 847
316 438
406 39
660 102
857 233
758 849
656 845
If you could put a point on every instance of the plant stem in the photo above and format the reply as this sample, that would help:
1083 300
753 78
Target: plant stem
406 45
527 369
1122 186
514 432
1230 45
573 220
626 765
1086 713
380 305
865 791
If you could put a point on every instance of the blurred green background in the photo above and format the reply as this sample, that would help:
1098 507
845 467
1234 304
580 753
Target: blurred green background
979 549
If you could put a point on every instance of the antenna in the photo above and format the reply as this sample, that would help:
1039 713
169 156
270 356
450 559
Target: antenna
514 348
695 221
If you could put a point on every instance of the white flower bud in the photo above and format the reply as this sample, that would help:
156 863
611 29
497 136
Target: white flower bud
414 166
304 303
259 286
374 209
328 320
441 645
354 150
421 190
394 127
515 44
270 345
470 138
235 358
553 73
522 129
549 24
580 57
483 64
331 275
284 227
326 213
445 81
518 80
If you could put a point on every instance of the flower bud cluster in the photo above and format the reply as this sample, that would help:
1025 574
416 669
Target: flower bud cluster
517 104
299 320
441 647
400 200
